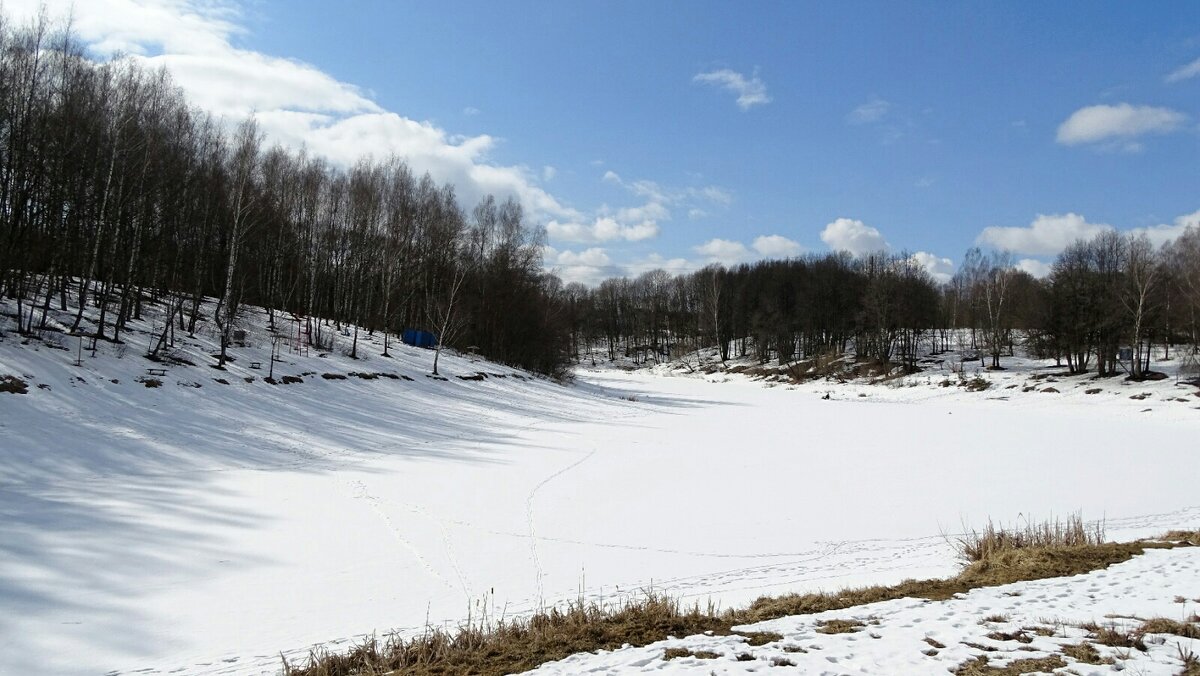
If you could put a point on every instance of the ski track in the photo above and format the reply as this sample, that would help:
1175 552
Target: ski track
533 539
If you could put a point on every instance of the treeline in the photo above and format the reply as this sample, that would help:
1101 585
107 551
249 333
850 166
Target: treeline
1114 291
115 192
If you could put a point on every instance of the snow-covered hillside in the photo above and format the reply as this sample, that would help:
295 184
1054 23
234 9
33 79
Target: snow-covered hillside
200 527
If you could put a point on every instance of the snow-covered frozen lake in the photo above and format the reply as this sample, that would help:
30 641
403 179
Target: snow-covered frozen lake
206 530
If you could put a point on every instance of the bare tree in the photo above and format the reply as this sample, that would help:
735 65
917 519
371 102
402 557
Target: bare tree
442 313
1139 297
243 164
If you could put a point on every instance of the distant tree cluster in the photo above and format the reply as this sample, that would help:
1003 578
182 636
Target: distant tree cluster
114 192
1103 294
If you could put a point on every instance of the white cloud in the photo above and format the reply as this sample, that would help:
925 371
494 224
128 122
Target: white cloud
1034 267
658 203
941 269
776 246
656 193
235 83
594 257
1123 121
1045 236
590 266
141 27
602 229
713 194
750 91
846 234
1185 72
651 211
1163 233
924 182
297 104
654 261
548 173
724 251
470 111
648 189
871 111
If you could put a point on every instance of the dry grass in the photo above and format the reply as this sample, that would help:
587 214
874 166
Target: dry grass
980 667
839 626
1191 537
1003 568
1086 652
13 385
1160 625
1114 637
757 638
676 653
1191 663
1117 637
992 540
1019 636
509 646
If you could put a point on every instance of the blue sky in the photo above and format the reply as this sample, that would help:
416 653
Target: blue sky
677 134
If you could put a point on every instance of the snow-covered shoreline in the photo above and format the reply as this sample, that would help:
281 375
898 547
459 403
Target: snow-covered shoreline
207 529
1021 621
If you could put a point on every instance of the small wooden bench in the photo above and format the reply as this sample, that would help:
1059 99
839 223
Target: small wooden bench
156 372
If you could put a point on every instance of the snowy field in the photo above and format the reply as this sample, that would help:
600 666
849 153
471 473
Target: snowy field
203 530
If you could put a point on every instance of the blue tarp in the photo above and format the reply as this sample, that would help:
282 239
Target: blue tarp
418 338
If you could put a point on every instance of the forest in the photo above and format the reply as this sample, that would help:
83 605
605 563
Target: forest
115 192
1111 292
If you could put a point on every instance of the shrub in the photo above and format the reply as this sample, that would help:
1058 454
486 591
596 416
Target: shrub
978 384
992 541
509 646
13 385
